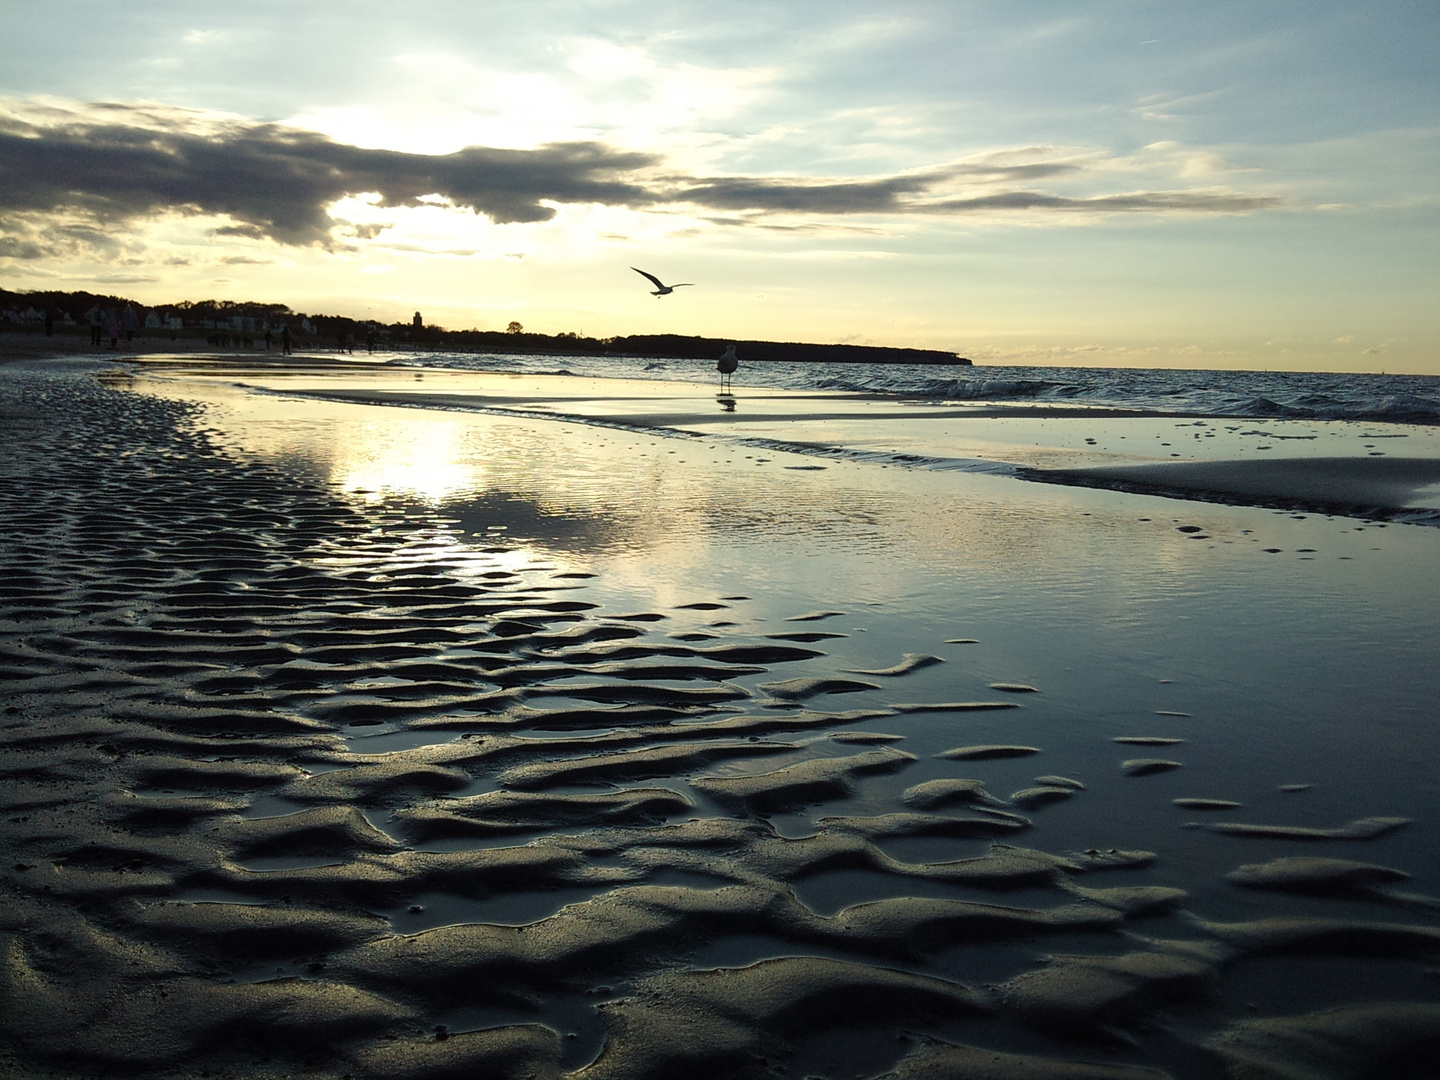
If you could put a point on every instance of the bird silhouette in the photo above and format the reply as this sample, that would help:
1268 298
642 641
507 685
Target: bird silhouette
661 289
726 365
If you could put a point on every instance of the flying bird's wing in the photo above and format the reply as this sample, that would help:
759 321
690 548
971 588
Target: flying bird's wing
658 283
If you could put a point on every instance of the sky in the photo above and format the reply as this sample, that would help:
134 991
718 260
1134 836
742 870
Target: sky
1133 183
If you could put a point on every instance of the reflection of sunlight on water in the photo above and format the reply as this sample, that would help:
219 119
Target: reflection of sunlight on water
447 551
670 521
426 460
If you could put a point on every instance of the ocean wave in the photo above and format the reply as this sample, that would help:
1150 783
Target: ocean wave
1263 406
1405 409
1280 395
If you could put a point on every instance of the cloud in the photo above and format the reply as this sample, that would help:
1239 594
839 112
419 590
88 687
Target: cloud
273 181
418 249
129 279
12 247
853 197
1171 106
1194 202
86 169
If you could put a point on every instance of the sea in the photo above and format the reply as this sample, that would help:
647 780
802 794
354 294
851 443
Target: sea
1277 395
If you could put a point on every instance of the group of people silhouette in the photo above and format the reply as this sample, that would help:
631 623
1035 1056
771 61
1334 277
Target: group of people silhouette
112 322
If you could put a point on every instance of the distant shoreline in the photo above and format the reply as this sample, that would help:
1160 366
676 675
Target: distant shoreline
69 341
247 324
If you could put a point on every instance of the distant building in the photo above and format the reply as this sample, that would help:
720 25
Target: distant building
152 321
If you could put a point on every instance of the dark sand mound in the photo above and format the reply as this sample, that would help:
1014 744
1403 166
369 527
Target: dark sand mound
935 794
1032 797
528 1051
1306 874
500 812
800 689
988 750
1392 1039
1360 829
1147 766
729 1022
934 1059
910 662
814 781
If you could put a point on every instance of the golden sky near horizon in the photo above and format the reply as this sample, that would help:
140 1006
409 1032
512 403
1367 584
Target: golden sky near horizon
1233 185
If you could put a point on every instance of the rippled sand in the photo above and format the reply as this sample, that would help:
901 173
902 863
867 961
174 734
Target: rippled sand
301 780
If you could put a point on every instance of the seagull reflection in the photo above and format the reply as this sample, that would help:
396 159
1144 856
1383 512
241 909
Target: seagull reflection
727 402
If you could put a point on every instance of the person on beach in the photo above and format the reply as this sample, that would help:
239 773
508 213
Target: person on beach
267 339
94 318
285 340
112 327
130 322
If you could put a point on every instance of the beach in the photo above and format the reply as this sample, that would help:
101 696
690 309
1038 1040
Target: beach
370 721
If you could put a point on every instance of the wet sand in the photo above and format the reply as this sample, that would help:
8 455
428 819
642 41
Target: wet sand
1374 470
344 739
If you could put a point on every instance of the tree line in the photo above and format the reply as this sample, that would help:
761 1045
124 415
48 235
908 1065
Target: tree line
415 333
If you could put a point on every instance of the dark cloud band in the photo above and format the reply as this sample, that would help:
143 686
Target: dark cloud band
115 163
277 182
1194 202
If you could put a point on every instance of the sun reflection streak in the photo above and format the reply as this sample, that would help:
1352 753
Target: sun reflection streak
425 460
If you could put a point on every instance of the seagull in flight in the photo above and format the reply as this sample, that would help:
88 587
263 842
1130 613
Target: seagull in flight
661 289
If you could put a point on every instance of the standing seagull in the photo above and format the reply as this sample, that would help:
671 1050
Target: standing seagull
726 365
661 289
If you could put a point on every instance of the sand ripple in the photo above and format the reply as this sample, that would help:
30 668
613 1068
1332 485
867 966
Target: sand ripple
295 785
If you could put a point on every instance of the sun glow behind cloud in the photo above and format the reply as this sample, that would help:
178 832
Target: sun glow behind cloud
596 89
